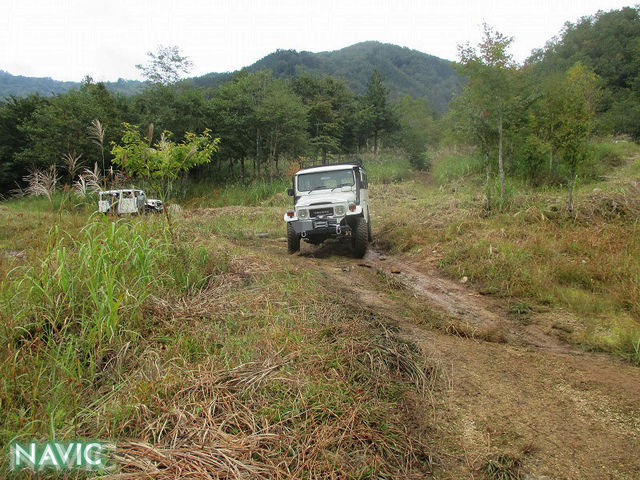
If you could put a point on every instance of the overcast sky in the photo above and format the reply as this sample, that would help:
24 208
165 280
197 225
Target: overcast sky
68 39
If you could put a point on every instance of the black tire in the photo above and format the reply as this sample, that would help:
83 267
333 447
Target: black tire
360 237
370 236
293 240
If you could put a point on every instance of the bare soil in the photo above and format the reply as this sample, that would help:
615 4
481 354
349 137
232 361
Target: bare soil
509 391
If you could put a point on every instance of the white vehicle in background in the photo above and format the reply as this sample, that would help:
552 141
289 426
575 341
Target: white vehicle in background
154 205
126 201
329 201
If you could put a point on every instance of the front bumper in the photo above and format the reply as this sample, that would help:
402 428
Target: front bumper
320 227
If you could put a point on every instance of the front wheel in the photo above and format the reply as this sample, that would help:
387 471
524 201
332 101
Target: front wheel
293 240
360 237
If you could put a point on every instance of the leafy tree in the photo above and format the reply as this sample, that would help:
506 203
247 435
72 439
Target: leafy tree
235 118
260 117
166 66
546 115
14 112
609 44
418 129
489 90
580 94
329 103
283 121
60 125
172 108
377 115
162 162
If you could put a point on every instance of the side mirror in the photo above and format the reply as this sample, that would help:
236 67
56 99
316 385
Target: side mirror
290 192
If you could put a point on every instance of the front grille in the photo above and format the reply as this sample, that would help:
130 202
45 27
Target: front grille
315 212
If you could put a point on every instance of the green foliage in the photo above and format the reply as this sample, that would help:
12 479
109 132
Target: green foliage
161 163
259 117
608 44
418 130
59 126
450 166
330 105
489 100
377 116
170 108
388 168
282 122
13 113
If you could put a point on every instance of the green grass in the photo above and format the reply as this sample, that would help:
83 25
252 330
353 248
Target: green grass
449 166
387 168
205 194
111 331
532 253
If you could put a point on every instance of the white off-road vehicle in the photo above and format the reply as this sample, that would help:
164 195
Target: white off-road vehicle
127 201
329 201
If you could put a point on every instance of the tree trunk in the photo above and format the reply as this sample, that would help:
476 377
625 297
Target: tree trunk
500 162
242 169
375 143
488 185
571 186
258 150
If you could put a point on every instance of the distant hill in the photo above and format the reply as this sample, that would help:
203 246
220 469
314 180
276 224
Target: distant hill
21 86
406 71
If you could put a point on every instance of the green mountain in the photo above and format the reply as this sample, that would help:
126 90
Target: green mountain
21 86
406 71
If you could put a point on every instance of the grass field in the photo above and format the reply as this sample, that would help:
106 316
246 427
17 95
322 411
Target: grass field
111 330
533 254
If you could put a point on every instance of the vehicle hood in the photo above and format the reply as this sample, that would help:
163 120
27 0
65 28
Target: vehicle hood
321 198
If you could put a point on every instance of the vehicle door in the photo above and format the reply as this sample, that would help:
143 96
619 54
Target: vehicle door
128 202
364 192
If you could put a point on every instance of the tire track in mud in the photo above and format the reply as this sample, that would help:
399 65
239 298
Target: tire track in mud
471 313
557 411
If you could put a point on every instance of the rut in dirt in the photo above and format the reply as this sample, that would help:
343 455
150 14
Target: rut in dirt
470 313
530 400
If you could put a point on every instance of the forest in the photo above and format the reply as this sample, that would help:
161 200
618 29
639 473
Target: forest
531 121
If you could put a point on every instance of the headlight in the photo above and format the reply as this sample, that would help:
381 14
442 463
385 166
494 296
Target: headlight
303 213
338 210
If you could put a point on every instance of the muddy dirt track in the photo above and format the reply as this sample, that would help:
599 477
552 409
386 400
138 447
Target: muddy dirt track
504 387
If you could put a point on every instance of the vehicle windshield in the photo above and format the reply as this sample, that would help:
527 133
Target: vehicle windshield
308 182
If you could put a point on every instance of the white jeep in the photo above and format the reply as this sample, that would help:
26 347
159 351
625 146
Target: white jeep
329 201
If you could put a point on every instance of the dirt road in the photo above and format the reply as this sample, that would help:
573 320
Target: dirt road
510 396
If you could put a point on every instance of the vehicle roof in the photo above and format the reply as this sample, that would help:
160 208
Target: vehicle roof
328 168
122 190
